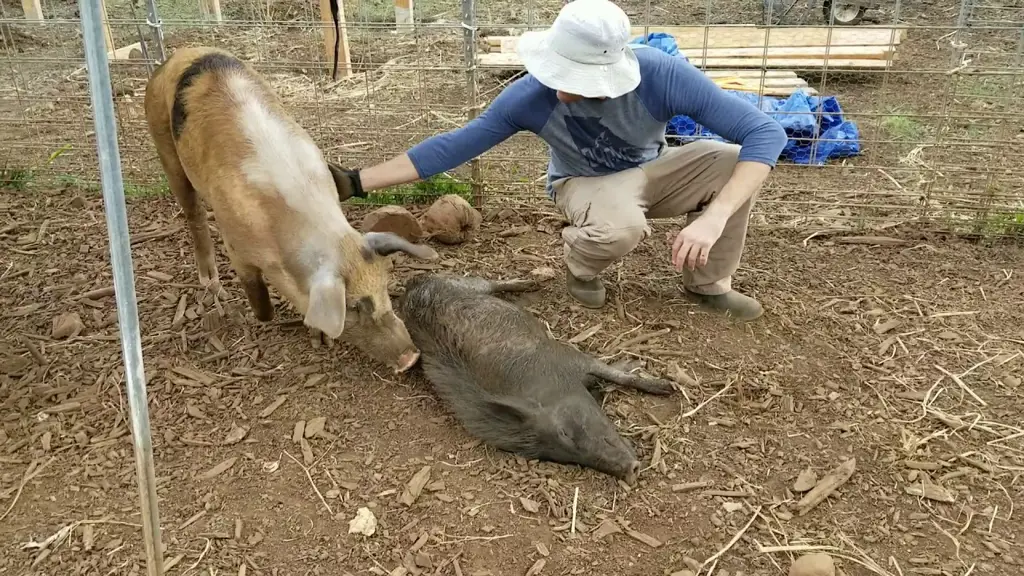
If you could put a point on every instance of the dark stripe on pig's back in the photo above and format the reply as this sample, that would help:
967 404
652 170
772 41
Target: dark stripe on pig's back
207 63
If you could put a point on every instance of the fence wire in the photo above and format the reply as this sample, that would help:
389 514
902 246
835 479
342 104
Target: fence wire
940 125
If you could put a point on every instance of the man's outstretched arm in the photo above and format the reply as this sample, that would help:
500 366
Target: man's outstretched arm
515 109
397 170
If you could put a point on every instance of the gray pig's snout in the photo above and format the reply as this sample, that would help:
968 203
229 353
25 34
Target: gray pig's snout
632 472
634 468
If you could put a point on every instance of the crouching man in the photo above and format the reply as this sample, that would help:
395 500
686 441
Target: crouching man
602 107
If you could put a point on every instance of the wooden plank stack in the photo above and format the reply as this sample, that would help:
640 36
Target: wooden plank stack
754 58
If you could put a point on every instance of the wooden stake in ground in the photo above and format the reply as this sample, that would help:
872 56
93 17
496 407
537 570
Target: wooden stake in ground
343 63
211 10
33 10
108 34
404 15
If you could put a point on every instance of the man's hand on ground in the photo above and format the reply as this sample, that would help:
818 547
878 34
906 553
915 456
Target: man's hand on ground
694 242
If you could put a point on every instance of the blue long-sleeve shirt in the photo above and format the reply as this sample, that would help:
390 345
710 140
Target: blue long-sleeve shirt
596 137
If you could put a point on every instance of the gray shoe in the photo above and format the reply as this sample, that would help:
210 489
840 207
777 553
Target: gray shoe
589 293
732 304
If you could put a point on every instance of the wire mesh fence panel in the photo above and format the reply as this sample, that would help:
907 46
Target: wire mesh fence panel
908 112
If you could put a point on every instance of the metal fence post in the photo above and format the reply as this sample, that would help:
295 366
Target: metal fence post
469 54
105 122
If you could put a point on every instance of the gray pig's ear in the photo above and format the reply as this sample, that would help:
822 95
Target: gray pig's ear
507 411
326 310
386 243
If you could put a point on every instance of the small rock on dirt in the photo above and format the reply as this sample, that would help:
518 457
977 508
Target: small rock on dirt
218 469
505 214
606 528
423 560
805 481
364 523
537 567
818 564
531 506
394 219
645 538
314 426
67 325
14 365
451 220
543 273
236 435
415 486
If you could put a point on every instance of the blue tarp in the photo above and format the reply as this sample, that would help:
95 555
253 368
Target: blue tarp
798 114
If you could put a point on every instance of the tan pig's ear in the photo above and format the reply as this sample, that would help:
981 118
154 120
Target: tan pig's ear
327 307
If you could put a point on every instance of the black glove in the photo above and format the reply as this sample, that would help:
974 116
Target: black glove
347 182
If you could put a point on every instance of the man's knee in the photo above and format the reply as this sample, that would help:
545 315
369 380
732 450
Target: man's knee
722 155
718 150
609 242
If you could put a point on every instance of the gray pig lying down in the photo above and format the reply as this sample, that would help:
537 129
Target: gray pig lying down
511 385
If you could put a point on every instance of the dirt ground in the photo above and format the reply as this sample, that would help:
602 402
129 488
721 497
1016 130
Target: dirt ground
901 357
904 359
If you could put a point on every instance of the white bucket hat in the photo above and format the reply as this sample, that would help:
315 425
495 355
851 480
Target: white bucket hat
586 51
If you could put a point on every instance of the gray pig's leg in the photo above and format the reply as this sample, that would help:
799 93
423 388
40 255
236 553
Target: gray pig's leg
485 286
650 385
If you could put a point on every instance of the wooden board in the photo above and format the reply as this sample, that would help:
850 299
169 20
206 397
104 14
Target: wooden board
506 60
846 52
755 87
744 36
753 73
767 82
740 36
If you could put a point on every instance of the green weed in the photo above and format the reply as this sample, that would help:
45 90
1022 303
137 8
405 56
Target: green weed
1005 224
15 178
69 181
902 128
147 190
420 193
131 190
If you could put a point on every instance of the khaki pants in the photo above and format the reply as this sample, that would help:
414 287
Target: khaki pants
608 214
